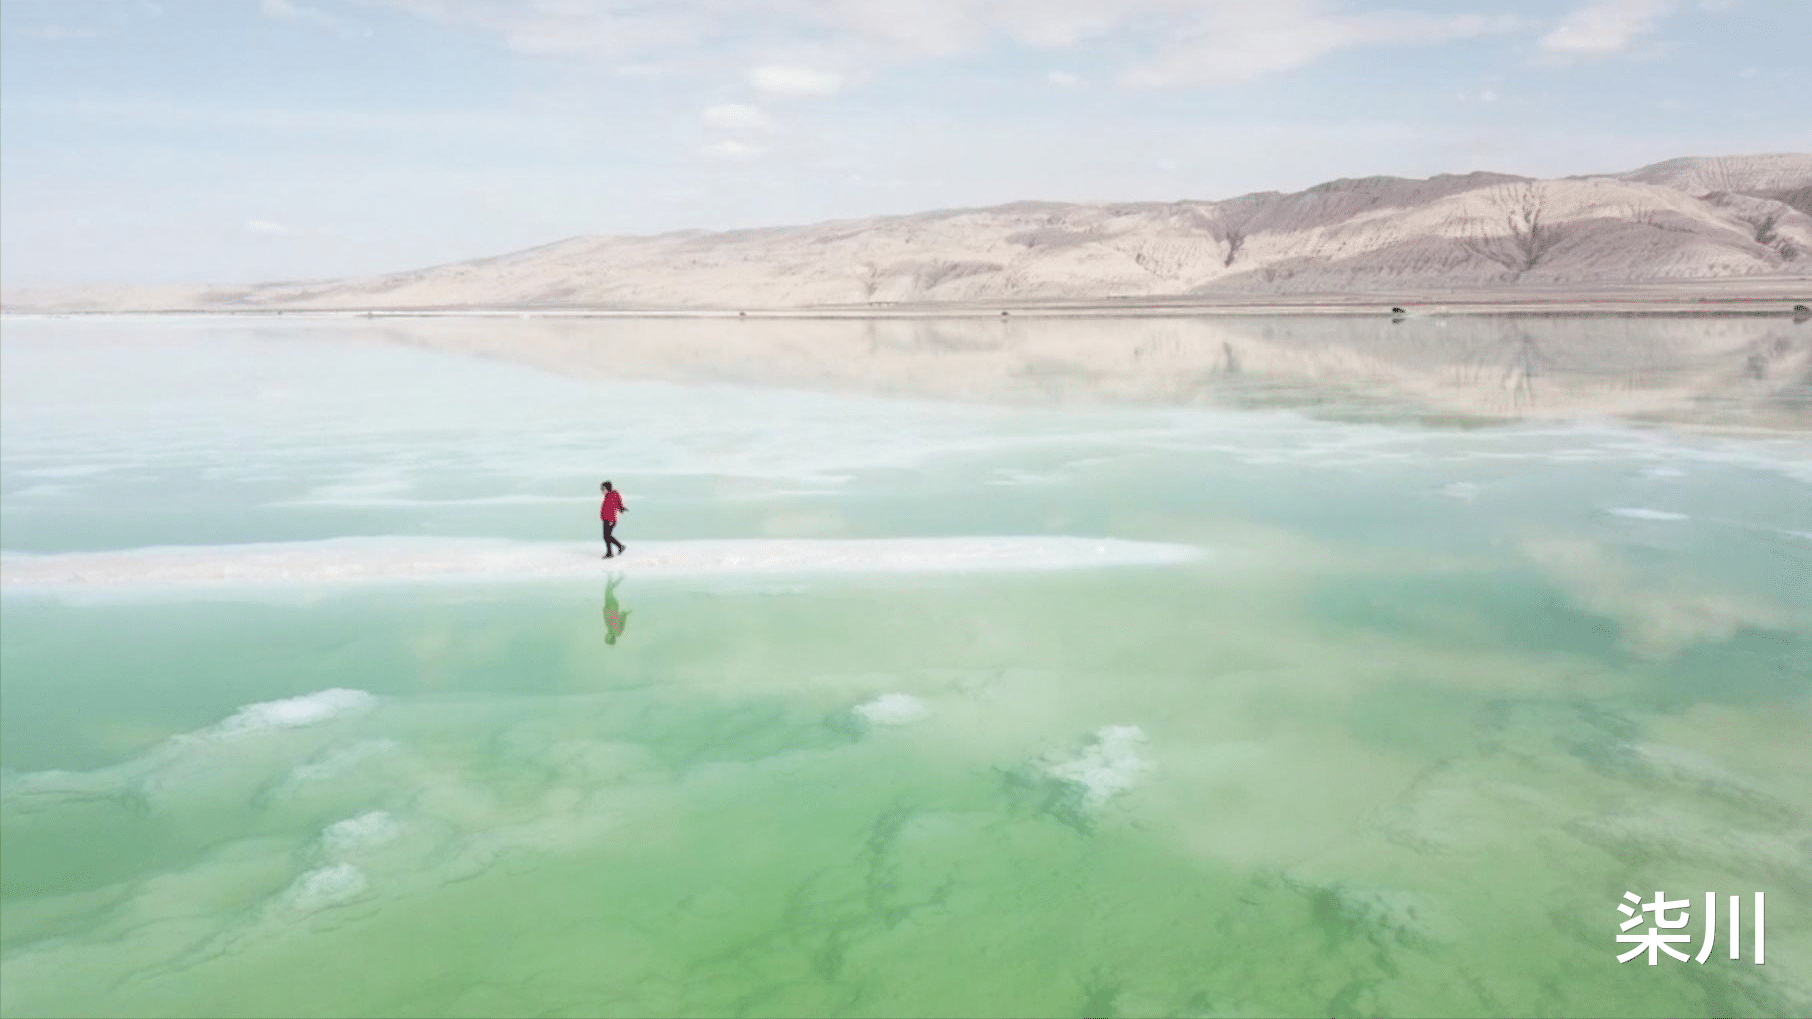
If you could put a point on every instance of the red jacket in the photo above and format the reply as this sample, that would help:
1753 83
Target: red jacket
613 501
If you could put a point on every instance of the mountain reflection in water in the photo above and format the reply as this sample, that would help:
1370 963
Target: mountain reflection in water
1745 372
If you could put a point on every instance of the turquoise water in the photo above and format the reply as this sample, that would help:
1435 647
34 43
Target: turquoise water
1443 674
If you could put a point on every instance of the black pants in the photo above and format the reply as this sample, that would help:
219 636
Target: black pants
610 538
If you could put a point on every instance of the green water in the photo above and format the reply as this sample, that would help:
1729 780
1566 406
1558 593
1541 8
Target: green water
1429 702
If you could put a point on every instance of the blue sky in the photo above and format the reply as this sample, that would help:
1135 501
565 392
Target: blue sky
189 140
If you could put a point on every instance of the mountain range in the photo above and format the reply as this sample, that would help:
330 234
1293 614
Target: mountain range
1684 219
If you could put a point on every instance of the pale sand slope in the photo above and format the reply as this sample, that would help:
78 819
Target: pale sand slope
1684 219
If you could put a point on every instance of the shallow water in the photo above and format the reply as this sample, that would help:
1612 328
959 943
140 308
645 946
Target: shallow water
1294 667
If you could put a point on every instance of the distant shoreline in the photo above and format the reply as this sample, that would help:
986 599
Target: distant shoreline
1757 309
1702 364
1774 295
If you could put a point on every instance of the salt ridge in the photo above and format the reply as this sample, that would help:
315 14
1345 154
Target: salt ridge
403 559
293 712
1644 513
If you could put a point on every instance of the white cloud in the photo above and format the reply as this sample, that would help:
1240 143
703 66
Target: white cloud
731 149
931 28
576 27
737 117
812 47
289 10
865 31
266 227
491 126
783 80
1055 23
79 21
58 33
1238 42
1604 27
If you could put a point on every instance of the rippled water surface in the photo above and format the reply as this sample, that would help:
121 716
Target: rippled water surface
1060 667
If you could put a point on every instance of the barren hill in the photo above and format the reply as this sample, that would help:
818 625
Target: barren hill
1696 218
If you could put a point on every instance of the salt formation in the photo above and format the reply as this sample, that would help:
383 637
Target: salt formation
892 709
329 886
294 712
406 559
1105 768
364 831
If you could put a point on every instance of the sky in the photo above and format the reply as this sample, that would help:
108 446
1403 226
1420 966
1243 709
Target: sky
249 140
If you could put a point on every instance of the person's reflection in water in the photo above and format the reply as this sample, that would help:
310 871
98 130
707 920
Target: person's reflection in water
614 616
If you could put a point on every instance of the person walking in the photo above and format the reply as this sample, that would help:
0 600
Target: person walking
607 513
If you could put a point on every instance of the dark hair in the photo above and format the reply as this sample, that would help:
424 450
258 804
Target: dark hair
605 485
